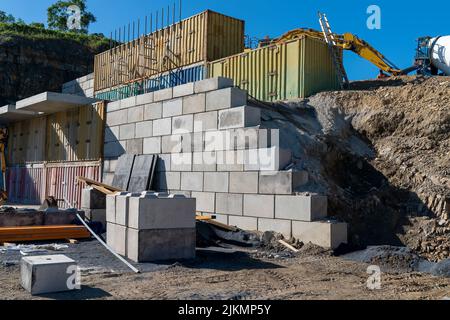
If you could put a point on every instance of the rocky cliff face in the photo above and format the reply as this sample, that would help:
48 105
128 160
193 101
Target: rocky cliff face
30 66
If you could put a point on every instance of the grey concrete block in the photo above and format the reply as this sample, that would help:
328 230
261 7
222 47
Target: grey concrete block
181 161
153 212
229 203
230 160
163 163
183 90
168 180
192 142
301 208
239 117
153 111
92 199
173 108
96 215
128 102
245 223
112 133
135 146
164 94
116 237
244 182
192 181
204 161
152 145
281 226
267 159
117 118
212 84
205 201
127 131
194 104
144 99
225 98
281 182
217 141
144 129
183 124
47 274
326 234
171 144
256 205
113 106
205 121
162 127
159 245
122 208
136 114
216 182
15 219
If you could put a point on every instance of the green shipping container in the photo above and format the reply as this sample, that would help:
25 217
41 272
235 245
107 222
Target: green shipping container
290 70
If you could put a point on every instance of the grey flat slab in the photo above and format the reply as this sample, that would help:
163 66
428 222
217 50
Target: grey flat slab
51 102
123 171
141 173
9 114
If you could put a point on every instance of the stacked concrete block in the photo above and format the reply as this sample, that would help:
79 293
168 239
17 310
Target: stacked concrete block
83 86
152 226
211 146
93 203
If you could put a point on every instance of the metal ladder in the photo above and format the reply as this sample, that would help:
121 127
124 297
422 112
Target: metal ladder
335 54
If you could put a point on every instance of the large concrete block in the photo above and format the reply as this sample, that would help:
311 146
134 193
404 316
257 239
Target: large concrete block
245 223
96 215
163 163
172 108
164 94
327 234
204 161
144 129
230 160
116 238
127 131
267 159
152 145
162 127
48 274
281 182
171 144
183 124
206 121
239 117
92 199
192 181
205 201
301 208
155 212
153 111
251 138
183 90
216 182
225 98
128 102
217 141
135 146
123 208
168 180
14 219
244 182
229 203
181 161
256 205
117 118
144 98
194 104
212 84
159 245
281 226
136 114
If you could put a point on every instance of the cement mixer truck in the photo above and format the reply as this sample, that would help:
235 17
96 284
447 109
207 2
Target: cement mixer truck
433 56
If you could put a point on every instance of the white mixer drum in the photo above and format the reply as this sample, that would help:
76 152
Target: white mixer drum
440 54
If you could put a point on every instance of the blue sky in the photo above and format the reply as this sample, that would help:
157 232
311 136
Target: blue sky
402 22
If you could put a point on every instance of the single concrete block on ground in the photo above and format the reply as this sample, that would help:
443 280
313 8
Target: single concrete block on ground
144 129
168 180
153 111
229 203
172 108
327 234
204 161
267 159
159 245
216 182
92 199
162 127
244 223
212 84
164 94
183 124
239 117
281 182
301 208
281 226
206 121
48 274
156 212
192 181
127 131
183 90
256 205
181 161
244 182
152 145
205 201
144 98
194 103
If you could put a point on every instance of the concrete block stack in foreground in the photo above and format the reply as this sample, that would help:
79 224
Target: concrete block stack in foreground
151 226
93 203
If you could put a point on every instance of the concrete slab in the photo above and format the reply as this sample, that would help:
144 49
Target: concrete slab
52 102
140 175
9 114
123 171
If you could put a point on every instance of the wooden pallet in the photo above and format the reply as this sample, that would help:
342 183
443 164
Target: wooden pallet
40 233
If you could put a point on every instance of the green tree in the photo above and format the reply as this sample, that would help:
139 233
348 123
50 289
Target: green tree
6 18
58 15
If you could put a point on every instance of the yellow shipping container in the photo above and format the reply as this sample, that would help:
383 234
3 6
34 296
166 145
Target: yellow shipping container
289 70
204 37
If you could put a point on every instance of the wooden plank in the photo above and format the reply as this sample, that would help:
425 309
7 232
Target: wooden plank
203 218
38 233
93 183
222 225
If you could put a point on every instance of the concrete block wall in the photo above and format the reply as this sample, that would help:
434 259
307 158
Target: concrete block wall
83 86
212 147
